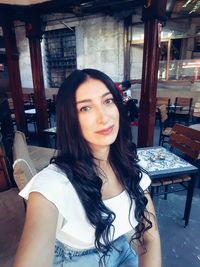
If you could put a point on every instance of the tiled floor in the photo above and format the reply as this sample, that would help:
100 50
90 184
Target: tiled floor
180 245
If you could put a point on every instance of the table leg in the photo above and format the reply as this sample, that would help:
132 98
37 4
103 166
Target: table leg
189 197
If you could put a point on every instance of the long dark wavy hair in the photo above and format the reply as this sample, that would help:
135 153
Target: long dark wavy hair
76 159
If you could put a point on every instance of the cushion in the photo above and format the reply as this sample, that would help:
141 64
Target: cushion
167 131
20 150
22 173
40 156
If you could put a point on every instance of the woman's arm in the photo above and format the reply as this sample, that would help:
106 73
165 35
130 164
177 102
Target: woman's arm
150 252
36 247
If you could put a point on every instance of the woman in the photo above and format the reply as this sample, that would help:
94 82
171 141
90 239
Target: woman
93 193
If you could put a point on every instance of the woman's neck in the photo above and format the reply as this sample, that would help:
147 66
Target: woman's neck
101 155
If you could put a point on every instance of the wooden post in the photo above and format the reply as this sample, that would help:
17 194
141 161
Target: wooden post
13 71
34 34
153 13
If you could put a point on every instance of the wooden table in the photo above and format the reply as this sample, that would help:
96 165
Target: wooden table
160 163
51 133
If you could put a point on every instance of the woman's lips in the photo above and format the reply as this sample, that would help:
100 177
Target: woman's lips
106 131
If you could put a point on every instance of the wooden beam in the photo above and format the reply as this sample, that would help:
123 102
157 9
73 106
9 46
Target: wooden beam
12 55
34 34
153 13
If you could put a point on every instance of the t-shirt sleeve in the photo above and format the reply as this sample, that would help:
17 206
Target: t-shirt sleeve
52 185
145 181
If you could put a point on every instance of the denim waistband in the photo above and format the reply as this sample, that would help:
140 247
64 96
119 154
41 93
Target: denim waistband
67 251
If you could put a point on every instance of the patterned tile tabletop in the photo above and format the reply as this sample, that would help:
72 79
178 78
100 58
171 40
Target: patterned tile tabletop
159 158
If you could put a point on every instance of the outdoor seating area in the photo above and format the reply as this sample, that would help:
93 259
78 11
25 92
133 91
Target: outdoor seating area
179 208
172 163
30 109
122 134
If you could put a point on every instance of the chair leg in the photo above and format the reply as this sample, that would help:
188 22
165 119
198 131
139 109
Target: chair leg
157 189
152 191
189 197
160 139
166 190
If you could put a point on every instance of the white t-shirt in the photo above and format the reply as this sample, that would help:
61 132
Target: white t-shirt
73 227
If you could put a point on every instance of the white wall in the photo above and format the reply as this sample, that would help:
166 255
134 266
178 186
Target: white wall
99 44
136 58
24 55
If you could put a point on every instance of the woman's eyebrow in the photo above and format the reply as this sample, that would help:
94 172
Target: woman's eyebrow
90 100
83 101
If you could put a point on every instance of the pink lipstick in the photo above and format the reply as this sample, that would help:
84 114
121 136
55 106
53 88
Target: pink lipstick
106 131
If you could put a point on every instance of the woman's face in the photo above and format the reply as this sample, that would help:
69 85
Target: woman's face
97 113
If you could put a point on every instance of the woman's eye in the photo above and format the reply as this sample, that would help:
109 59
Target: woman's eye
109 101
85 109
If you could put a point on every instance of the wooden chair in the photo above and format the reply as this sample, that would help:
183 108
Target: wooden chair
186 141
182 110
12 110
165 131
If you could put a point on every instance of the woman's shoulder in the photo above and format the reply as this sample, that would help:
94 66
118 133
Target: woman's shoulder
49 180
52 171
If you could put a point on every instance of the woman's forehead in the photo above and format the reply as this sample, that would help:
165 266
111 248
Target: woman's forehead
90 89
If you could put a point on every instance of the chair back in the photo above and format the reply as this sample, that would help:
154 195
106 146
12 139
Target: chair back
196 111
186 139
183 101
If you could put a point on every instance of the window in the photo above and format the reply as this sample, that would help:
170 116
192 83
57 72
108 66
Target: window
60 48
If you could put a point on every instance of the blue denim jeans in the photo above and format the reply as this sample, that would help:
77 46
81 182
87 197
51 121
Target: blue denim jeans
122 256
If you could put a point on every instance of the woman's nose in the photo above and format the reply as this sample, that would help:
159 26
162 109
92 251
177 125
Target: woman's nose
102 116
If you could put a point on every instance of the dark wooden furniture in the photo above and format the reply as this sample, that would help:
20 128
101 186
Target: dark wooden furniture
182 110
4 175
165 131
51 136
163 165
196 112
6 141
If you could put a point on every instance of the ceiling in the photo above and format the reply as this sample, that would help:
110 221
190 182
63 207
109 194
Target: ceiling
22 9
22 2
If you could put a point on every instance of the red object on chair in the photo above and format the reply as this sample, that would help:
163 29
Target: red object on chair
134 123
